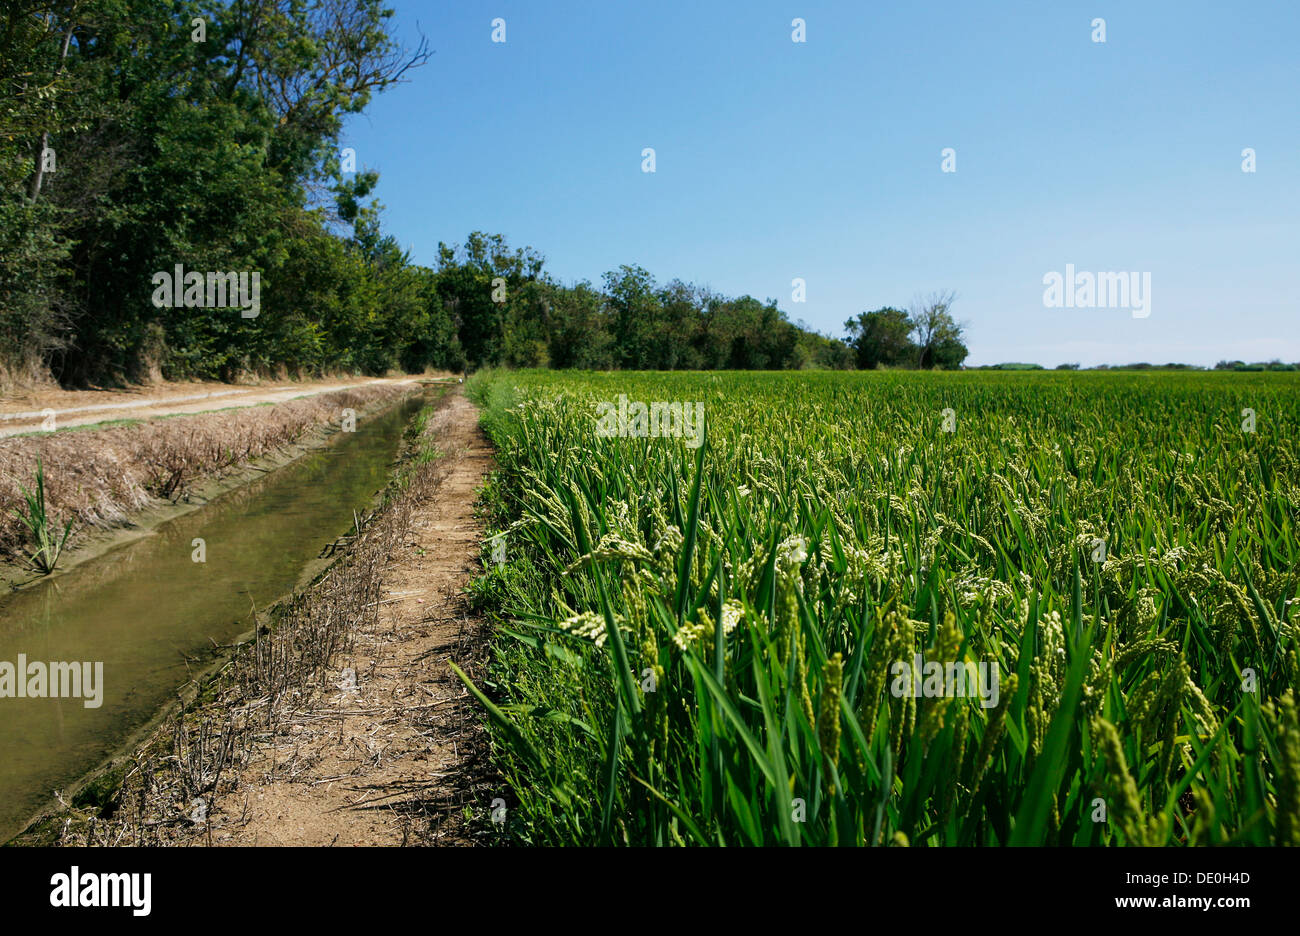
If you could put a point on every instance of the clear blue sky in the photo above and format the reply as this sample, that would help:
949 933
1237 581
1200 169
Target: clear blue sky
822 159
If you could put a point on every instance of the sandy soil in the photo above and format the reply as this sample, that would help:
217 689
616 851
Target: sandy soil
27 411
395 759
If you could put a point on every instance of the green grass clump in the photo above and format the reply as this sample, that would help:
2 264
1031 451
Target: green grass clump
698 646
49 541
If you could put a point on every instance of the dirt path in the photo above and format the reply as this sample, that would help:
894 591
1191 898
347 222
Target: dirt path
395 759
29 412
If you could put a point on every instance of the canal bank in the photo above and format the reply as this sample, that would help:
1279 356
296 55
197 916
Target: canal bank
117 483
161 610
338 719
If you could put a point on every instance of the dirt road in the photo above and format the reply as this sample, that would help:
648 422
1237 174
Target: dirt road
33 411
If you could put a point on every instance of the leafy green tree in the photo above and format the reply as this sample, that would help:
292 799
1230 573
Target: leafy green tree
938 334
527 321
635 309
483 288
579 330
171 150
822 352
680 328
882 339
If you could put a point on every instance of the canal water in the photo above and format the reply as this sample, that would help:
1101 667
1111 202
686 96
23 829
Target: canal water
145 608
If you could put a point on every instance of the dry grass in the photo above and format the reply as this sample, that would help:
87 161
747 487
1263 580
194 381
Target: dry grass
24 374
98 477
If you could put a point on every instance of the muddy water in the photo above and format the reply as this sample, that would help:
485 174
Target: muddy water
146 608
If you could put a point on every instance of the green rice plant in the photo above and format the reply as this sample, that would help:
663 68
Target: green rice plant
49 542
704 644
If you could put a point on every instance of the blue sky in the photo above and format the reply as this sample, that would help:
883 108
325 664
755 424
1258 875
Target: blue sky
823 159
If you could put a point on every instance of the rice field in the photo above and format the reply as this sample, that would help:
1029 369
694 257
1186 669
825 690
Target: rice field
893 609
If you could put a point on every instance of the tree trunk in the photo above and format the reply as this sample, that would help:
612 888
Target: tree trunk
39 176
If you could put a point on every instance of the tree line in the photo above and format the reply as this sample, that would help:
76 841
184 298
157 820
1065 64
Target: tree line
138 135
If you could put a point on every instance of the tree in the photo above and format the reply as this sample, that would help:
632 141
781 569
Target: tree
484 287
635 313
579 335
203 153
818 351
681 327
938 334
881 338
